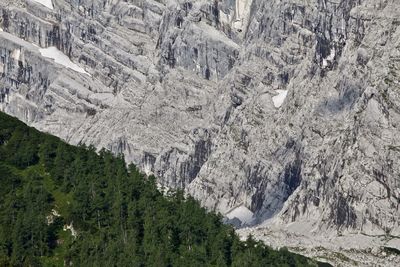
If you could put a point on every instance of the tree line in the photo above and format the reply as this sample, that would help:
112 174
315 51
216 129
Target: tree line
62 205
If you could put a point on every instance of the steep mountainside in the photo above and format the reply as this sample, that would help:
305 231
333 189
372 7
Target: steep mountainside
68 206
285 109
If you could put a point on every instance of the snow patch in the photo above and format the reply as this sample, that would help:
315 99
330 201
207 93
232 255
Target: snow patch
16 54
242 11
242 213
280 98
60 58
46 3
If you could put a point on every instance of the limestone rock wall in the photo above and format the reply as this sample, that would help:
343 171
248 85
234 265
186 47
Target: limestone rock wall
186 89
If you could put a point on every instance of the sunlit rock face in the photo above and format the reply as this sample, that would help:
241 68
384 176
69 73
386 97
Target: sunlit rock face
287 108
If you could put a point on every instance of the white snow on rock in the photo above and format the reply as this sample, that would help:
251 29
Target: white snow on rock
46 3
16 54
242 13
280 98
242 213
60 58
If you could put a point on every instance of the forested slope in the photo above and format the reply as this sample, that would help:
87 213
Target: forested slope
116 214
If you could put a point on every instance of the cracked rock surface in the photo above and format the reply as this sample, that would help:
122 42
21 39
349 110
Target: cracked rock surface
287 108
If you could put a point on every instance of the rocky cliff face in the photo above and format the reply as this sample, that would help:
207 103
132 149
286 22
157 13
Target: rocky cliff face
288 108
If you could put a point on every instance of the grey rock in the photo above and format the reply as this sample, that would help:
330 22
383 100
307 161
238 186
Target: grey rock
184 89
